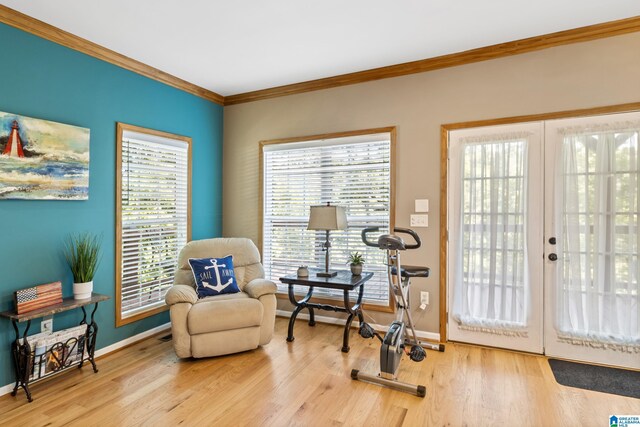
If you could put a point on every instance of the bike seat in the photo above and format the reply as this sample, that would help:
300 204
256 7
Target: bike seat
412 271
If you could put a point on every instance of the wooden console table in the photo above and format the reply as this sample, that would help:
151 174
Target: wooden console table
24 357
344 281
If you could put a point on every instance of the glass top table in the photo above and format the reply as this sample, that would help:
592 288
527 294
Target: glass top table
344 281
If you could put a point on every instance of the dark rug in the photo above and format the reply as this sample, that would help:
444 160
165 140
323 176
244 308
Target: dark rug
597 378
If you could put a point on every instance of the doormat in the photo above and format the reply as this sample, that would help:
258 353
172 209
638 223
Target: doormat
165 338
597 378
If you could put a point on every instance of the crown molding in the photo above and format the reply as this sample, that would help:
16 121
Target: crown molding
577 35
592 32
49 32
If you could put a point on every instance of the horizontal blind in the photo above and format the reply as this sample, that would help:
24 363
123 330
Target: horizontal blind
154 218
355 175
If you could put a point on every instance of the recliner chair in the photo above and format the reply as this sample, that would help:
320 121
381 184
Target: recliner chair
227 323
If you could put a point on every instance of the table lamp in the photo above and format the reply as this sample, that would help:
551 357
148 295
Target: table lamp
327 218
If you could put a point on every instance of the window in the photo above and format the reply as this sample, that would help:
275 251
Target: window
352 170
153 206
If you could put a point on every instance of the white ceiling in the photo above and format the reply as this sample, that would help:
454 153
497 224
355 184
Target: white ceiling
236 46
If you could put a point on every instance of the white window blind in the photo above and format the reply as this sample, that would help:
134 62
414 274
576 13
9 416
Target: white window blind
154 198
351 172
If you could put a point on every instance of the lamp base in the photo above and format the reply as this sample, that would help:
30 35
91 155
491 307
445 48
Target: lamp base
327 274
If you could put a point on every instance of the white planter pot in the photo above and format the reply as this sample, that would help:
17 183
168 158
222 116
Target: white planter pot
82 290
356 270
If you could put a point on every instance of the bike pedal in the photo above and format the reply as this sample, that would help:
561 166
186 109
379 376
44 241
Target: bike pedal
417 353
366 331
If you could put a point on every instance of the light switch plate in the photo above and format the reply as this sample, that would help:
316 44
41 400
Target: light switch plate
422 205
420 220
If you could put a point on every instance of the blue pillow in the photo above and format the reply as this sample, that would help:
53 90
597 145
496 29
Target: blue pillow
214 276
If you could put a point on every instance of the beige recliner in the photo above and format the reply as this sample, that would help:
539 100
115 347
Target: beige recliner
227 323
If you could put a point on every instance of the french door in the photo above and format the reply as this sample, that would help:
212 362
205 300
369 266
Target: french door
592 231
495 205
544 233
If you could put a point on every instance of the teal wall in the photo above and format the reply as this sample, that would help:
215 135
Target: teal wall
44 80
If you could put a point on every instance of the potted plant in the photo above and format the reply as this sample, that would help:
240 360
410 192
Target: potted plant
82 253
356 261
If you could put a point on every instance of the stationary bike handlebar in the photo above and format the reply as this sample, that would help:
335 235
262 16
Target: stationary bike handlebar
408 231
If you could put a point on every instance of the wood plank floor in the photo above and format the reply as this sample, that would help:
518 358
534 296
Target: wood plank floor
307 382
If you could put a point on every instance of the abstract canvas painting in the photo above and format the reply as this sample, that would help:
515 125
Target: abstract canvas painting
40 159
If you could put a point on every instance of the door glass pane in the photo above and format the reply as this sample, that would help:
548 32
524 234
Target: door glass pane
597 211
490 291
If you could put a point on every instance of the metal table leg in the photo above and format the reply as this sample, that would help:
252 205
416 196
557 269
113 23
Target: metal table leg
353 311
22 357
15 349
299 306
90 337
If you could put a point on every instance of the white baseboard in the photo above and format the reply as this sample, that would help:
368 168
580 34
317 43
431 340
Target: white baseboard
139 337
6 389
432 336
109 349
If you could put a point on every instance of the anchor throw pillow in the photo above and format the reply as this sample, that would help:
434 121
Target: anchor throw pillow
214 276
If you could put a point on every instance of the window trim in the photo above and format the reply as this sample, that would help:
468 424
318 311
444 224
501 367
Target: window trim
391 130
120 128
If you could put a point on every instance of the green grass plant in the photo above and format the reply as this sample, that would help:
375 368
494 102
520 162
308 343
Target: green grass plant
82 252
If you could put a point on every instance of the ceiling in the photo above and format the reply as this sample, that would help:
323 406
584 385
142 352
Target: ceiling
238 46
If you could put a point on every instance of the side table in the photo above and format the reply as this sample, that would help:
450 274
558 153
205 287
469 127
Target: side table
344 281
25 358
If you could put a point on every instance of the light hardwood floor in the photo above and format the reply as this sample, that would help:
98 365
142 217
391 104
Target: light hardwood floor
307 382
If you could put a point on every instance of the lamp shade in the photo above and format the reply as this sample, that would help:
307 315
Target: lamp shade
327 218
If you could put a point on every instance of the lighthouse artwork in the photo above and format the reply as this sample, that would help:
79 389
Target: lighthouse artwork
14 145
40 159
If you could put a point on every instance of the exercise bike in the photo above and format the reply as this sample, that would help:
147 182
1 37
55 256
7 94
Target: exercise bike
395 342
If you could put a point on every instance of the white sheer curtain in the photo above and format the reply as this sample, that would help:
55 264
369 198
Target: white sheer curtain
491 286
598 215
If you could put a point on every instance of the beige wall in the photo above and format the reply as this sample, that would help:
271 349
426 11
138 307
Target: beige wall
598 73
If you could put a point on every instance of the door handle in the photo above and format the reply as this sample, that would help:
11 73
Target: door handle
553 257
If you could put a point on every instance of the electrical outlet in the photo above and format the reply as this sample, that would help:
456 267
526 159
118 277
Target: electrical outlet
424 298
46 326
420 220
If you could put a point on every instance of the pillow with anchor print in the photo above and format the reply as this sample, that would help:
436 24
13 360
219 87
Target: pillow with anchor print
214 276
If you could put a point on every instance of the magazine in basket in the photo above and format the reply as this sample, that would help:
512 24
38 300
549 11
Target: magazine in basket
55 351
